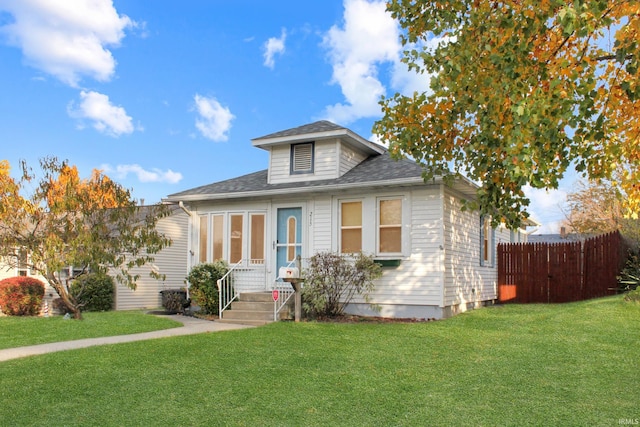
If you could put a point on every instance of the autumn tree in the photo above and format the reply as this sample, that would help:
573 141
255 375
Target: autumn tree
597 207
61 220
521 90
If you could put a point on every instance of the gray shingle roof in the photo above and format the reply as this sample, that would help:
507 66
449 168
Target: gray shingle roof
375 170
321 126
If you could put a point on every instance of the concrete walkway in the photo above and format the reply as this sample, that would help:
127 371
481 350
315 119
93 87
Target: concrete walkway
191 326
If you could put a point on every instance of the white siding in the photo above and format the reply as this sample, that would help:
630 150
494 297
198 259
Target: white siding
321 229
171 261
325 163
466 282
349 158
418 279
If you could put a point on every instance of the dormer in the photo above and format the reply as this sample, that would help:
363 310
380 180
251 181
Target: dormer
317 151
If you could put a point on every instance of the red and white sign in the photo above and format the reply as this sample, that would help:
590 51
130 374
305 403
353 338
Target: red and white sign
275 294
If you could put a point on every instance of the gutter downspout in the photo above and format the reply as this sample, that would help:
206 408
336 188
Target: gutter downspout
189 232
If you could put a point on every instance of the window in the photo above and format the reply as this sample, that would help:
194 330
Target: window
23 263
350 227
218 237
257 238
389 226
487 242
235 238
204 234
292 238
302 158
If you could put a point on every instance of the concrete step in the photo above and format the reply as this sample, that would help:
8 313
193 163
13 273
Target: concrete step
253 308
251 305
244 322
256 297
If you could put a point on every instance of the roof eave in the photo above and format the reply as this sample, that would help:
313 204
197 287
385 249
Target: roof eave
349 137
296 190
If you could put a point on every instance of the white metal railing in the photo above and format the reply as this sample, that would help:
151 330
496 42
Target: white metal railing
244 276
285 291
226 292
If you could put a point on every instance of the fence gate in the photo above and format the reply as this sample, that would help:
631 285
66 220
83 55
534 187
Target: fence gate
558 272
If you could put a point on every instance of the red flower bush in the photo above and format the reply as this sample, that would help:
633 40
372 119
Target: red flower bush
21 296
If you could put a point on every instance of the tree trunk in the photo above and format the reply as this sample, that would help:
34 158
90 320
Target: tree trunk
66 298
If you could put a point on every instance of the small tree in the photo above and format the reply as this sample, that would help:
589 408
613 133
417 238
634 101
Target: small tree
597 207
91 224
333 280
203 279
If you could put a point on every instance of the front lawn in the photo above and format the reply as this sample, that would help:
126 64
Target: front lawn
573 364
18 331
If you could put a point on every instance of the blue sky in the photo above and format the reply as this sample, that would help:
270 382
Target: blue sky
165 96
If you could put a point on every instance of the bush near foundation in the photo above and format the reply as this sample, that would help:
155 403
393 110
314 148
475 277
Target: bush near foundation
332 280
21 296
204 289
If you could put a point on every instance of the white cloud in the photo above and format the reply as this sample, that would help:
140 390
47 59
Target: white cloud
369 37
107 118
546 207
214 120
368 41
67 39
272 47
154 175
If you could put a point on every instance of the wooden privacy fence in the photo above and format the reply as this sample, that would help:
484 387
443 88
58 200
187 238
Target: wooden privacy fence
558 272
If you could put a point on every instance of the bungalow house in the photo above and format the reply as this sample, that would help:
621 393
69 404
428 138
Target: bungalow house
171 262
328 189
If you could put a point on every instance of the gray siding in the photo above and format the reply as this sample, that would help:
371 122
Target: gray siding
171 261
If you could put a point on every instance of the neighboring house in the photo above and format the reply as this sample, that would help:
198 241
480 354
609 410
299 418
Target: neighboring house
562 237
328 189
171 261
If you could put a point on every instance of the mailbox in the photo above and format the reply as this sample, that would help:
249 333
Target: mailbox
289 273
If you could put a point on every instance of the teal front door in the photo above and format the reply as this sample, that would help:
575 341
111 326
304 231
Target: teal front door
288 236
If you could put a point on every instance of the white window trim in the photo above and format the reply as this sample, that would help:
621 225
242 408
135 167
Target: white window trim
491 242
362 223
403 237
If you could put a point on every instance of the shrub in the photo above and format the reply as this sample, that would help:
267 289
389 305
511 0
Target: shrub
633 296
204 289
332 280
94 292
21 296
175 300
629 277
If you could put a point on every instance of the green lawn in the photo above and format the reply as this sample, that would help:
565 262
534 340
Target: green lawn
21 331
573 364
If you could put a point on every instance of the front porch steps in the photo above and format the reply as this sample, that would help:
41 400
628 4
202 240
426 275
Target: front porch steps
252 308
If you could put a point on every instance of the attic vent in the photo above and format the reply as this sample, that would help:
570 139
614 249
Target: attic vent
302 158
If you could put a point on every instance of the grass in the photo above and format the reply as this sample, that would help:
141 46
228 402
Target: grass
22 331
573 364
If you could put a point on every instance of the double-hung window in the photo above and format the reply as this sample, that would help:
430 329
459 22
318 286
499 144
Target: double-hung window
487 242
350 226
389 226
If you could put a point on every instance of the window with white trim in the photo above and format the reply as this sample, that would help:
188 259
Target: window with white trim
389 226
23 262
487 242
350 226
232 236
257 238
302 157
